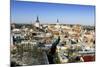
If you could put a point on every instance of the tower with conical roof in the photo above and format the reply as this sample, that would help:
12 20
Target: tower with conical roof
57 24
37 24
37 20
57 21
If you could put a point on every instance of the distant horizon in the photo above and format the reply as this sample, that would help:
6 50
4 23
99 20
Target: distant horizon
55 23
26 13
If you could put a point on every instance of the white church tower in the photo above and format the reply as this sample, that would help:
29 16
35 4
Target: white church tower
57 25
37 24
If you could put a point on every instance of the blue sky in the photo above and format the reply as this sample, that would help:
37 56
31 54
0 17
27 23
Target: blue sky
26 12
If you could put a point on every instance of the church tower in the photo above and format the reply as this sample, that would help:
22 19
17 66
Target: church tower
57 24
37 20
37 24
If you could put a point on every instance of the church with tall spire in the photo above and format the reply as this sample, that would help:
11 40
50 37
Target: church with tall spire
37 20
57 24
57 21
37 23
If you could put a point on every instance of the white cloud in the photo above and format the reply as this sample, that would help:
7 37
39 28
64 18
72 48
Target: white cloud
83 2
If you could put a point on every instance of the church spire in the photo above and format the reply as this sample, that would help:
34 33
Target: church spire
57 21
37 19
37 24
